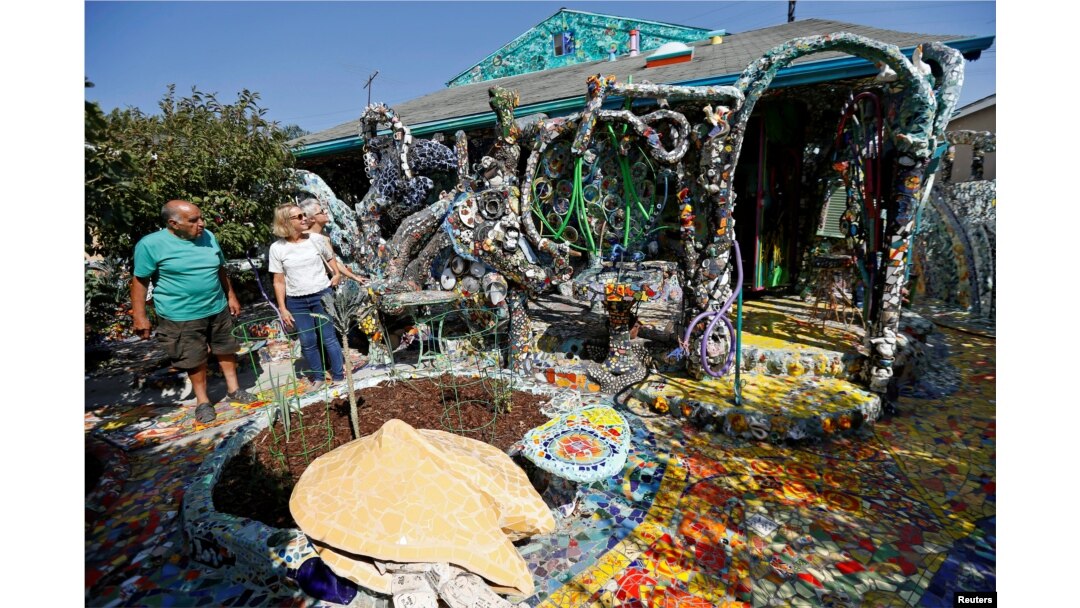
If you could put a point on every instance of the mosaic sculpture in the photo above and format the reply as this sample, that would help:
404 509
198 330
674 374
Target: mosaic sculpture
586 211
601 187
956 242
343 229
470 241
352 506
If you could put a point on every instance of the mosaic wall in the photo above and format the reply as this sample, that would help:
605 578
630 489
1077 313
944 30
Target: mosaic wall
582 37
955 259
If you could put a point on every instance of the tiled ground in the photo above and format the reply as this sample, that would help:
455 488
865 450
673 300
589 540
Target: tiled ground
901 515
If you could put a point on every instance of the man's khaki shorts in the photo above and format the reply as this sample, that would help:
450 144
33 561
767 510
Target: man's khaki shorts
185 341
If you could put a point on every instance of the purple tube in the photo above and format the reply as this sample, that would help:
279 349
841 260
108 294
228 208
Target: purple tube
718 315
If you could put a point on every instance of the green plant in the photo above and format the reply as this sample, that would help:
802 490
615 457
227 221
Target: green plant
283 406
342 306
106 299
226 158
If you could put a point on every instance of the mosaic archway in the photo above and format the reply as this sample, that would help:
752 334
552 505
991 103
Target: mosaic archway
955 256
916 127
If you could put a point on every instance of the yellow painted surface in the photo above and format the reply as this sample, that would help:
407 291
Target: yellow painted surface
791 396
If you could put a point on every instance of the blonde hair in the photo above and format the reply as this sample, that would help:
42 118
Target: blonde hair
282 227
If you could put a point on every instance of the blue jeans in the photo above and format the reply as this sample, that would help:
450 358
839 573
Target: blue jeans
310 330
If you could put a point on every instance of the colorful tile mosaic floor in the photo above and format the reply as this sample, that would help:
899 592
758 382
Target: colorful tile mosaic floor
902 514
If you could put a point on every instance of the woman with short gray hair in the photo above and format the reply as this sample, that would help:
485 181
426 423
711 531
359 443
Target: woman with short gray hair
319 217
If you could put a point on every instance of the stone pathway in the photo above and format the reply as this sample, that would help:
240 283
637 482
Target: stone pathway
902 513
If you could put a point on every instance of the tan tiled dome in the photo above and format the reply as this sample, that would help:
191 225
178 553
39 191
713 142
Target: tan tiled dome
408 495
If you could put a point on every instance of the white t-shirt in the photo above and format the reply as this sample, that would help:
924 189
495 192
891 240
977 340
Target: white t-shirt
302 263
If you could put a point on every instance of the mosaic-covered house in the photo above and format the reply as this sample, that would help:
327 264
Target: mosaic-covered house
786 217
573 37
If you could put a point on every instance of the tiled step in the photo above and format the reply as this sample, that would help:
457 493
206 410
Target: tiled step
773 408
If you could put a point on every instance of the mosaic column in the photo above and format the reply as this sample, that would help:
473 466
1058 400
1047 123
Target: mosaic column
622 367
520 327
908 186
916 137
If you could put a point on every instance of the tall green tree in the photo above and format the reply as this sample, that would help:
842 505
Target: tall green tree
224 157
294 131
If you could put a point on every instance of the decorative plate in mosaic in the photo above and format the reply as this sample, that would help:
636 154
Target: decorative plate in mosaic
583 446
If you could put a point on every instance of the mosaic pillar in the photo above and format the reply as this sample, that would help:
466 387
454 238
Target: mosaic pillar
882 343
622 366
520 327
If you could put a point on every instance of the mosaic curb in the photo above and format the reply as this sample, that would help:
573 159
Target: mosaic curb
114 461
806 363
746 422
255 551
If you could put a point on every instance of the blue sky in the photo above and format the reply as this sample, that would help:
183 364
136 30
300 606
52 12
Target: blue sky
309 61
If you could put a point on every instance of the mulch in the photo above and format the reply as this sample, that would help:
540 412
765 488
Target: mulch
258 481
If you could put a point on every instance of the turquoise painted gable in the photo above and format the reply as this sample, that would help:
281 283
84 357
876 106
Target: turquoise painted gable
577 37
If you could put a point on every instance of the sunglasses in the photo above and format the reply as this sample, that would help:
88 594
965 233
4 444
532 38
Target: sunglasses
299 216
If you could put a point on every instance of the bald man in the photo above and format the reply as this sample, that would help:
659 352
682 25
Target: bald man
193 299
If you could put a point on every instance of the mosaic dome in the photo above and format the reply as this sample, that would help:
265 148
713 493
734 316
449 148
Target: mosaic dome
408 495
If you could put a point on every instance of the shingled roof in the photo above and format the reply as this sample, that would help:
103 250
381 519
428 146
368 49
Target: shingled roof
568 83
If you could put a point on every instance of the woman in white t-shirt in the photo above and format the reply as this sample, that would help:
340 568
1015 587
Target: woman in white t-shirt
299 262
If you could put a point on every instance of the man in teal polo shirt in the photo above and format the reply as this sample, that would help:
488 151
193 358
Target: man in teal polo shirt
193 298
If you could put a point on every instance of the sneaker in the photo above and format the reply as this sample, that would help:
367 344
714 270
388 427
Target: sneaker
316 386
205 413
241 396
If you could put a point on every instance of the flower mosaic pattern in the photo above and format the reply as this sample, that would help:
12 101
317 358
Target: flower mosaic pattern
584 445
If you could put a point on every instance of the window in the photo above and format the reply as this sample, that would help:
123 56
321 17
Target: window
835 205
563 43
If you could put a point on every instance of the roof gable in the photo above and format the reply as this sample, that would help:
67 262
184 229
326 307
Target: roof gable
578 37
976 106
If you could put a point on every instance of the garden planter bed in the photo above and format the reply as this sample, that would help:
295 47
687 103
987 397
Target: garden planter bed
257 483
253 551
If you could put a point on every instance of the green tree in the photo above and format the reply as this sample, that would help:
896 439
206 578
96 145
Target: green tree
294 131
226 158
114 197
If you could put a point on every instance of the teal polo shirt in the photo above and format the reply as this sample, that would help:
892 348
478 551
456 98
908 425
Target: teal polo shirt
185 274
